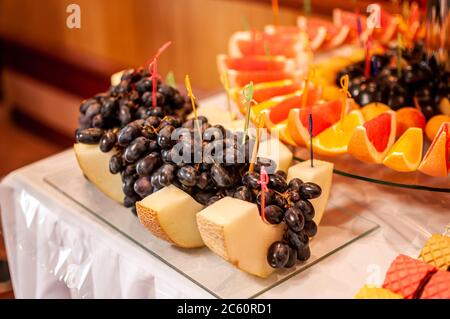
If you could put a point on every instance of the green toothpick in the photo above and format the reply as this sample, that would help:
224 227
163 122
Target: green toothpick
307 7
248 94
170 80
245 23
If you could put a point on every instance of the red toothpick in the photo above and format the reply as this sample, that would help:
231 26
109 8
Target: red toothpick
263 181
152 67
368 47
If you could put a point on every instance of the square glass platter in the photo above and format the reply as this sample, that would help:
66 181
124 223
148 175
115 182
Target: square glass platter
210 272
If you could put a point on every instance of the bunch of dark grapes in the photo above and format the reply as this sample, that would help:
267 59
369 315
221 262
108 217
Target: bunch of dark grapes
130 100
123 120
287 203
422 79
208 168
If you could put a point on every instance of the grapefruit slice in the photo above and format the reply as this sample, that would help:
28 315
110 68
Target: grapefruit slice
324 115
349 18
266 90
334 140
242 78
436 161
372 110
406 153
254 63
279 112
267 94
331 38
245 43
316 31
390 25
371 141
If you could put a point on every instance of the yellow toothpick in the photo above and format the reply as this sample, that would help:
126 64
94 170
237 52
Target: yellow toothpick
345 95
226 85
309 76
260 124
248 95
275 11
191 95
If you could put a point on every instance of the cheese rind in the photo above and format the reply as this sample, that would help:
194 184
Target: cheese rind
321 174
234 230
95 166
170 214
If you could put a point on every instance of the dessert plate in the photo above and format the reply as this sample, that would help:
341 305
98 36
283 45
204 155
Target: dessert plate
339 228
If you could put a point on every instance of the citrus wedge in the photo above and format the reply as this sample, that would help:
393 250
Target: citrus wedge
406 153
266 90
281 131
324 115
254 63
371 141
279 112
372 110
245 43
436 161
242 78
334 140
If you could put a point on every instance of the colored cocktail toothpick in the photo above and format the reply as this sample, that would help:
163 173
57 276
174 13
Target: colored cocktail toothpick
260 124
226 86
187 82
275 11
311 150
248 95
170 80
263 181
152 66
399 55
307 8
345 94
309 77
368 47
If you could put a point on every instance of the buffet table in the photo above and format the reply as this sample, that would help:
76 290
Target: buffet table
58 249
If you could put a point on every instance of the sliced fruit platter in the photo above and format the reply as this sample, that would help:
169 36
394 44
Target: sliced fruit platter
392 97
194 184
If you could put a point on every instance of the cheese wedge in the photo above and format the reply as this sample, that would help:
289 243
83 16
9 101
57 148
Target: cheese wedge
95 166
170 215
274 149
233 229
115 78
322 175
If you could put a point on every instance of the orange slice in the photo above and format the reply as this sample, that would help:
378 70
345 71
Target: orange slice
266 90
434 124
334 140
371 142
372 110
283 133
436 161
406 153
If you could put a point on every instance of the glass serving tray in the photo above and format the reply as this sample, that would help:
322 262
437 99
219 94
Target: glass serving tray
348 166
338 229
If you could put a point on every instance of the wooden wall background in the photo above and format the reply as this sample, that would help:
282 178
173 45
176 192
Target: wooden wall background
129 32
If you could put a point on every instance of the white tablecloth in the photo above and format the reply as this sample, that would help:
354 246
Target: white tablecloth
58 249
